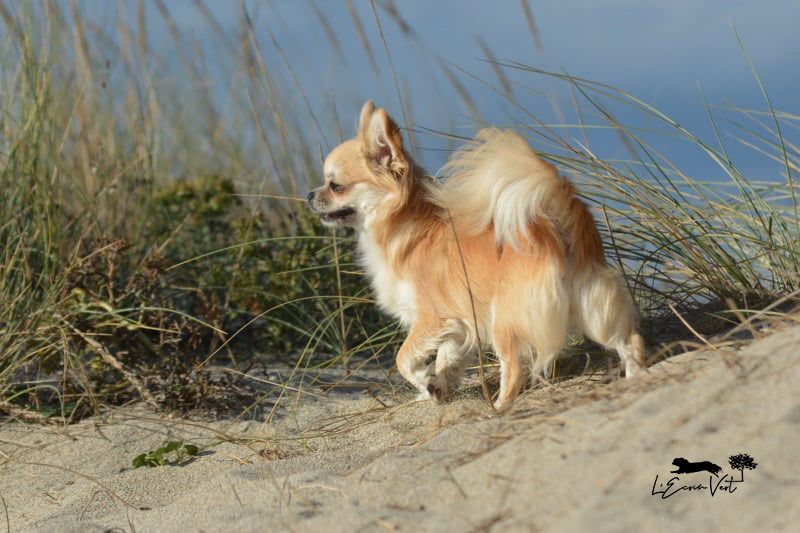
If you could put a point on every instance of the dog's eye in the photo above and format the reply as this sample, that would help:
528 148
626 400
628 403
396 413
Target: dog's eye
335 187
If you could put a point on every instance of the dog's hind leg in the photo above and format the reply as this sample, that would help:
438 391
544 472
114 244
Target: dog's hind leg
632 353
549 369
604 311
530 318
506 346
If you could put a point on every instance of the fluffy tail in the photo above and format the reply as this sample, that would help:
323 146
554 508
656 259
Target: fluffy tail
499 180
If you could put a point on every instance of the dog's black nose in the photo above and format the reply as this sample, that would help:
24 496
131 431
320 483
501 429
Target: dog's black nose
310 197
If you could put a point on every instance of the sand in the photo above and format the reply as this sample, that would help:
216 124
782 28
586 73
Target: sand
581 455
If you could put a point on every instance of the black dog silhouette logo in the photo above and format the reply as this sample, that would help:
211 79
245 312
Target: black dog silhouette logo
727 483
688 467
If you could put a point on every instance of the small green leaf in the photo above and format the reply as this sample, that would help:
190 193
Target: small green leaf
161 456
158 456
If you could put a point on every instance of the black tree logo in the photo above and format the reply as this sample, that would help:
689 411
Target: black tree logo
741 462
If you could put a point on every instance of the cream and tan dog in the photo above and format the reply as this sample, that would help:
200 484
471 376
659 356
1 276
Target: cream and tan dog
502 245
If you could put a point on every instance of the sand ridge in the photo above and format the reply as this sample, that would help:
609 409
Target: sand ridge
576 456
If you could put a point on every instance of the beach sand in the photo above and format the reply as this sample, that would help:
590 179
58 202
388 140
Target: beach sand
580 455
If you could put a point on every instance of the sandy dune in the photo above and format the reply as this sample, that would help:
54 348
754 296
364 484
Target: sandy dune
578 456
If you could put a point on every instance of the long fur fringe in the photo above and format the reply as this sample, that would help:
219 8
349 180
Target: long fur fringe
498 180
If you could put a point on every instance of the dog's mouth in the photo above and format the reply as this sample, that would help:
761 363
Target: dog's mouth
340 216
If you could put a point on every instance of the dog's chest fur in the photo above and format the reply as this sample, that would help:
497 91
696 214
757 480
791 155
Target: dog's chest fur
395 295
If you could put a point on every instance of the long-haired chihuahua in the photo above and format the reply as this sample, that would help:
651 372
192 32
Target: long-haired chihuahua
501 252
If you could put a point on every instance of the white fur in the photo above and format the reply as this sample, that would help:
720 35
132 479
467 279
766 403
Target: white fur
395 295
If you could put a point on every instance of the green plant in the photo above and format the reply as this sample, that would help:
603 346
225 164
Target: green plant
173 452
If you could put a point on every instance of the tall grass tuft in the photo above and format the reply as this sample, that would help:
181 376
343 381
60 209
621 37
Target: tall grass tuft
142 231
686 241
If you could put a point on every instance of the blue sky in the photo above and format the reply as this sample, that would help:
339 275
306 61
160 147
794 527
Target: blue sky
659 51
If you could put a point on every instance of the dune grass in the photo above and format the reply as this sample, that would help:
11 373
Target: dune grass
153 226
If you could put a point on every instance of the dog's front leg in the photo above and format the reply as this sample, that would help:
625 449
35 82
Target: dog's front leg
455 343
414 356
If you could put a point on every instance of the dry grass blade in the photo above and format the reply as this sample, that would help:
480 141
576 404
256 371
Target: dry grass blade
174 32
214 23
462 92
482 373
391 9
777 124
532 28
91 479
362 36
5 511
765 313
28 415
114 363
399 94
691 329
298 85
329 33
11 22
505 83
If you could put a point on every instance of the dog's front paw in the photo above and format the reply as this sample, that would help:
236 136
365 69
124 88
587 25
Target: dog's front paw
435 390
439 388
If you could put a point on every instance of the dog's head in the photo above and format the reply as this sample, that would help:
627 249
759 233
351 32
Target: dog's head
363 175
680 461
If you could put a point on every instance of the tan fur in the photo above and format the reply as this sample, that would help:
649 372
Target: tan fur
533 263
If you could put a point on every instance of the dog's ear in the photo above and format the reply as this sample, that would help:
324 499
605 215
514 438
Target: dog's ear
382 140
